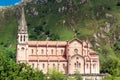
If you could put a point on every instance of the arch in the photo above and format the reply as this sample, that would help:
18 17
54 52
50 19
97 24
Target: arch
77 64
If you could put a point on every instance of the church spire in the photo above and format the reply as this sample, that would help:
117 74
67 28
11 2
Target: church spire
22 28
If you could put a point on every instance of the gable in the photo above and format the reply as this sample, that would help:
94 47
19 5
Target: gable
75 43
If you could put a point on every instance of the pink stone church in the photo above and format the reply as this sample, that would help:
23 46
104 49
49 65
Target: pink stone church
65 56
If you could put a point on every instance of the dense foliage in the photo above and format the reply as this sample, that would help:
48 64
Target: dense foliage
53 74
9 70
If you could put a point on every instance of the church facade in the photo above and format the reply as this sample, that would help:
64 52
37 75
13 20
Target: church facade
65 56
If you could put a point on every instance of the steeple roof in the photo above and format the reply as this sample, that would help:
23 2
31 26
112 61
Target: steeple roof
22 28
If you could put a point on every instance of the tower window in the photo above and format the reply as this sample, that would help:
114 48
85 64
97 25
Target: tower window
21 38
18 37
24 37
22 48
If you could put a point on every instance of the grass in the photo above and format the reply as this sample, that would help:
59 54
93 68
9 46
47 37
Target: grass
71 78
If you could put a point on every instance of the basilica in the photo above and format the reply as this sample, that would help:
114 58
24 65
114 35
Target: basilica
66 56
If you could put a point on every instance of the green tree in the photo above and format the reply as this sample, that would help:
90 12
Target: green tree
117 48
56 75
78 75
111 65
108 77
9 70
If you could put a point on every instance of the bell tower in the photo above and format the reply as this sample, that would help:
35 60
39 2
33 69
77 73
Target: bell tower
22 38
22 29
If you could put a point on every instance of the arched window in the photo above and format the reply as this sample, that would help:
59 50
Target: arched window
24 37
18 37
32 51
52 51
61 51
42 51
43 65
21 38
22 48
75 65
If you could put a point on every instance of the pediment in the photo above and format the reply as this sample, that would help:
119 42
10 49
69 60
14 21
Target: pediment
75 43
75 40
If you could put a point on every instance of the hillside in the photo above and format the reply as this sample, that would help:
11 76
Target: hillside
97 21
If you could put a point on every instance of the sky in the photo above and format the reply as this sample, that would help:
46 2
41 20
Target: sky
8 2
